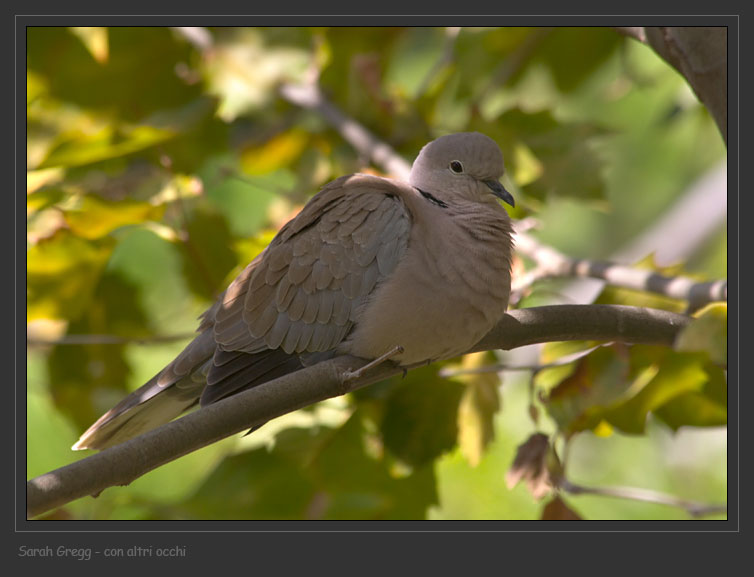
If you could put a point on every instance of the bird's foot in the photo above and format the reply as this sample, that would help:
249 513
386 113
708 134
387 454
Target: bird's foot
353 375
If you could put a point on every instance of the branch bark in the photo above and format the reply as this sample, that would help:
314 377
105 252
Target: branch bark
700 54
121 464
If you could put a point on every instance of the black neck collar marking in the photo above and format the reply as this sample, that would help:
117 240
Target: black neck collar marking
432 199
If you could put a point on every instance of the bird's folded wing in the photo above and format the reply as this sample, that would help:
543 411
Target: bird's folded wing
304 292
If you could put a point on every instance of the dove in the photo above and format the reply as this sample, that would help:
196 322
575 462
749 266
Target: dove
415 271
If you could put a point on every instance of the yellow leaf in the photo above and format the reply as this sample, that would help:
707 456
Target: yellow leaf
94 39
476 411
36 179
94 217
528 167
61 274
274 154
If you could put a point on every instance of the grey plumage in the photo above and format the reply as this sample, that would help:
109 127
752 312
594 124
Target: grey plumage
368 264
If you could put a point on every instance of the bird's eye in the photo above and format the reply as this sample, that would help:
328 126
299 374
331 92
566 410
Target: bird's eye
456 166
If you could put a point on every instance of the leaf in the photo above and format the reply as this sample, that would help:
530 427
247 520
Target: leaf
61 274
412 59
676 374
253 485
36 179
243 70
479 404
207 253
557 510
138 78
420 422
153 265
243 200
94 38
81 148
571 54
94 217
276 153
707 408
561 155
708 332
528 168
598 380
693 409
359 483
536 464
87 380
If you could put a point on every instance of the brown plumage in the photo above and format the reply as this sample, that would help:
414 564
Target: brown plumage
368 264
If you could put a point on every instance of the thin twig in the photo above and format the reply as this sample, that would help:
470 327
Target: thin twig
552 263
693 508
94 339
448 372
310 96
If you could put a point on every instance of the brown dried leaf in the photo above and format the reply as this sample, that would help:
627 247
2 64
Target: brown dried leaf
536 464
557 510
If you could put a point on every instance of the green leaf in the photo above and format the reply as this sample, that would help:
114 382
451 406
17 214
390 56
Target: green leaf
708 332
242 199
61 274
420 422
598 380
707 408
676 375
86 380
357 482
693 409
564 156
571 54
153 266
413 58
253 485
207 253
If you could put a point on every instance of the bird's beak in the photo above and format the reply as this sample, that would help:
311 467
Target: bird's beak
500 192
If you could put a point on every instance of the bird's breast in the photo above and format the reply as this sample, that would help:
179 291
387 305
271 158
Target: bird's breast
450 288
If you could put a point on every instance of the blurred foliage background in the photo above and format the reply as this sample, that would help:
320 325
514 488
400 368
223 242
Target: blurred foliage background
161 161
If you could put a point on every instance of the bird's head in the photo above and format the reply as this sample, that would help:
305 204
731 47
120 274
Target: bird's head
462 166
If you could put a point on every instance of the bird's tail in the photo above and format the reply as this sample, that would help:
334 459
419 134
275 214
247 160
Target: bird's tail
165 396
132 417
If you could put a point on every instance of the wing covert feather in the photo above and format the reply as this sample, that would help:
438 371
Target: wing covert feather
303 292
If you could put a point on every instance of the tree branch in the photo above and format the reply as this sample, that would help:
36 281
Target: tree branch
310 96
121 464
552 263
693 508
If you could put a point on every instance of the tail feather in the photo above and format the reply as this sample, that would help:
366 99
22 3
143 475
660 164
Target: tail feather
164 397
120 424
183 384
